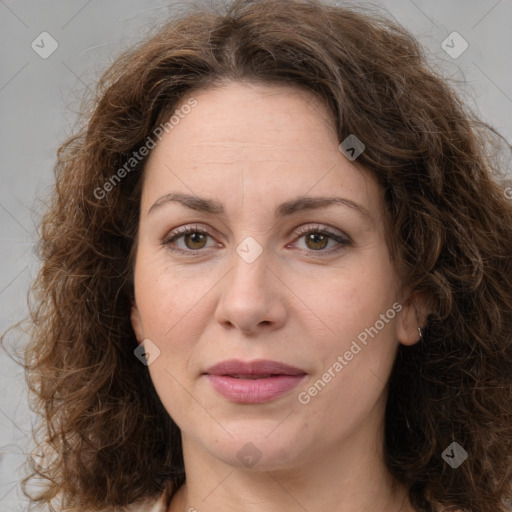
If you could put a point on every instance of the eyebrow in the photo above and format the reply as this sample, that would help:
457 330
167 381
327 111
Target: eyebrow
298 204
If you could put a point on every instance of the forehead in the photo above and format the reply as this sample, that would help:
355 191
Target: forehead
240 117
265 139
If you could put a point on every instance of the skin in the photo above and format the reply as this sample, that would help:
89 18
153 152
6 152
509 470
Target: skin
252 147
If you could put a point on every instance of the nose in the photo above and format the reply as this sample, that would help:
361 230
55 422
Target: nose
253 299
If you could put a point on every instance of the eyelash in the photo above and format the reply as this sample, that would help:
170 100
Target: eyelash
301 232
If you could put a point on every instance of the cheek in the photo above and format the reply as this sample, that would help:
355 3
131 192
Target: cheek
360 309
356 298
171 310
354 363
167 298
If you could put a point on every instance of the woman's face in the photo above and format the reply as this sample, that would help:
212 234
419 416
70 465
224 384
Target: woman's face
268 272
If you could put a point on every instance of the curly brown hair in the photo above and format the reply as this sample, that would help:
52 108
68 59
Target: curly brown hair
449 229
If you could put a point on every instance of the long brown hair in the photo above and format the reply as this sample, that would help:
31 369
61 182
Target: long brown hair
449 229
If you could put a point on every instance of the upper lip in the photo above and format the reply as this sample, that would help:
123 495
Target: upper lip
256 367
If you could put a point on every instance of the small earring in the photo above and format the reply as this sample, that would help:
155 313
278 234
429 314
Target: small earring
420 330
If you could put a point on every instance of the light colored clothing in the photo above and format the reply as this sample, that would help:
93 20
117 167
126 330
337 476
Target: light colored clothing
158 504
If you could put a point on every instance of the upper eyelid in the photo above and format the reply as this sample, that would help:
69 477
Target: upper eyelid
208 230
320 227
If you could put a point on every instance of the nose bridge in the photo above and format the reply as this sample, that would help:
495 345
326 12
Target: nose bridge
249 296
249 276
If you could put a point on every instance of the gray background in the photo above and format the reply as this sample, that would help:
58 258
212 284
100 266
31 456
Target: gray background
38 98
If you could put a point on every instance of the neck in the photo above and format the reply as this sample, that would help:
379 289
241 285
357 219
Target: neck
350 477
275 491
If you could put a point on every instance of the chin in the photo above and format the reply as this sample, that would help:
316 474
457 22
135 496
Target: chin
260 449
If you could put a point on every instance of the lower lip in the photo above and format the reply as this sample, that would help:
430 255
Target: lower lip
254 391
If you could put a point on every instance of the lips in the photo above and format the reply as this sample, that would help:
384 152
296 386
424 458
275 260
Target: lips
254 381
257 368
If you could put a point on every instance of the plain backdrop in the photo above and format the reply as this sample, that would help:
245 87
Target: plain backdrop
39 94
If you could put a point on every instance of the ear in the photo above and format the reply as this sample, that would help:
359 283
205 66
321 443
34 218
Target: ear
412 316
136 322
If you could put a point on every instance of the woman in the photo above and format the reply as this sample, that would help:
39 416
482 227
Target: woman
277 275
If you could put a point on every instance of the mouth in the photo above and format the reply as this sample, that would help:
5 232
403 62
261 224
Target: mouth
254 381
259 368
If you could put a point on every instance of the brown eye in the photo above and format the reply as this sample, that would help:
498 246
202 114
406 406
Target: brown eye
321 240
195 240
317 241
189 239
